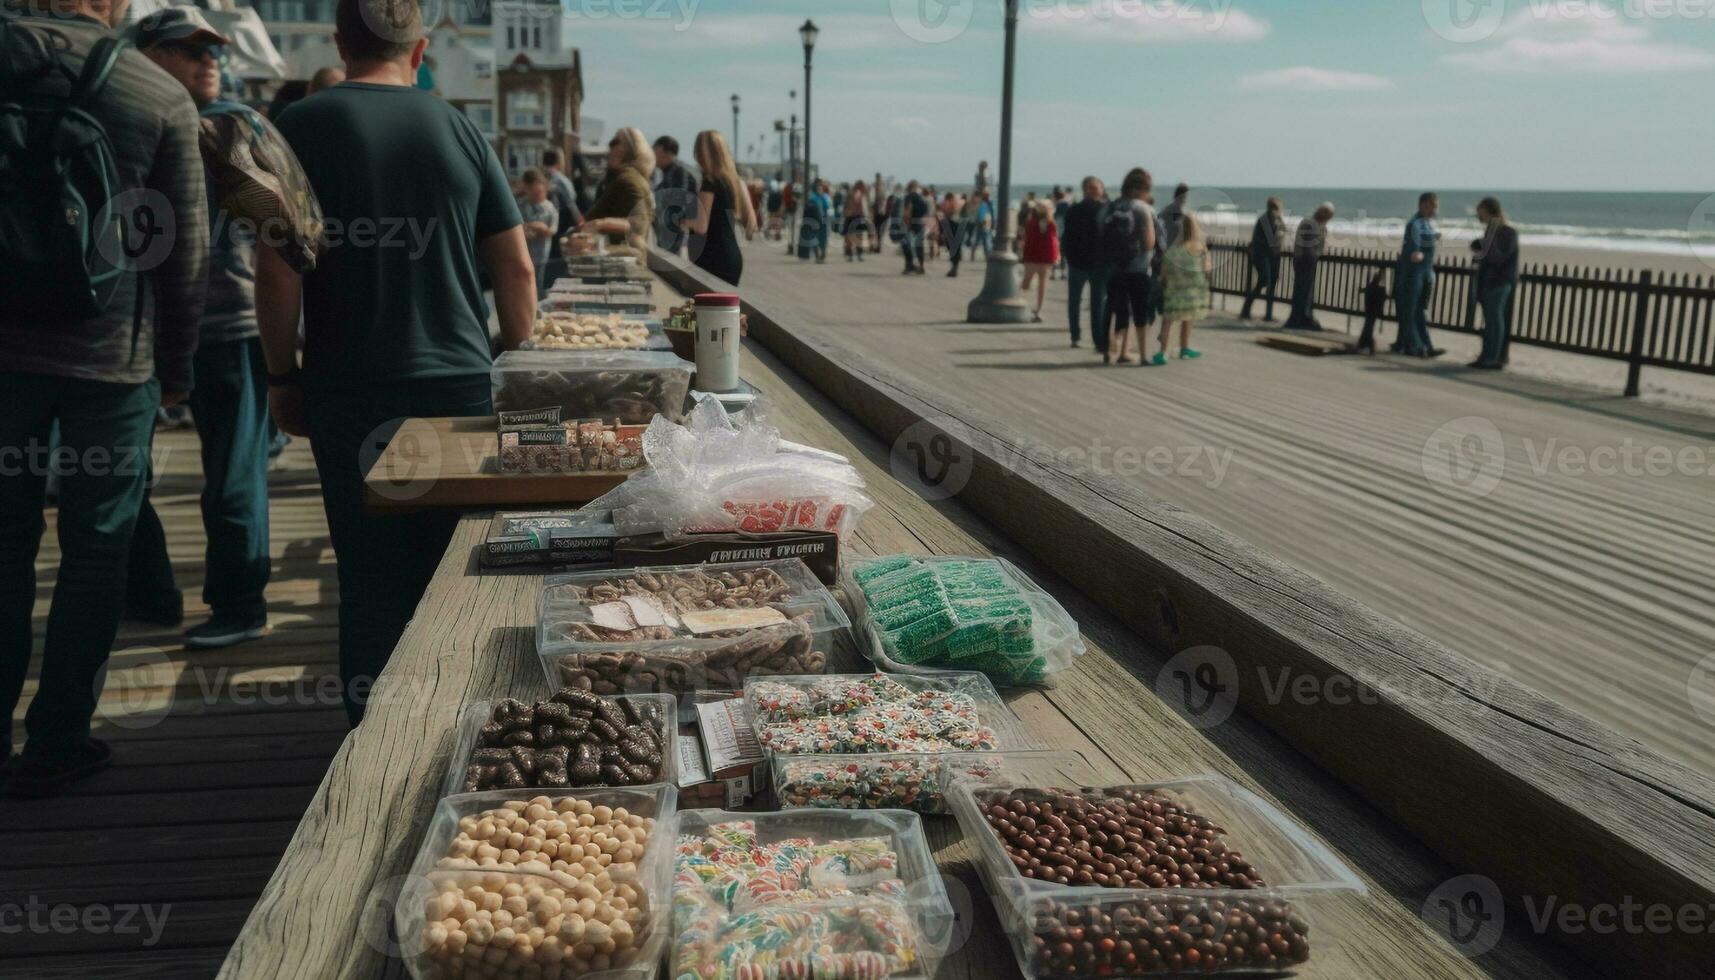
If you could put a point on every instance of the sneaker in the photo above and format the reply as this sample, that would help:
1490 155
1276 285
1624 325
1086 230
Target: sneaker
1187 354
1035 318
1159 359
225 631
39 779
161 611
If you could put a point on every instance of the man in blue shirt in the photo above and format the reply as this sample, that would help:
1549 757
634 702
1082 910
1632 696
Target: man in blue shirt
1416 280
395 326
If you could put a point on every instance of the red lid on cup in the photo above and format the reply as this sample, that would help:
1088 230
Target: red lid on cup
716 299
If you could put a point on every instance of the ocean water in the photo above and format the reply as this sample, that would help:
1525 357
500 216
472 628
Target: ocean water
1667 223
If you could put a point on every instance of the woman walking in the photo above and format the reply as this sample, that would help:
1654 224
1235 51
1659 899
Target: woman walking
1266 237
1041 252
821 221
714 245
1185 289
856 221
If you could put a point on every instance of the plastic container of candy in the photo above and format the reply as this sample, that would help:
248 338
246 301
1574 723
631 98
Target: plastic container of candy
657 712
632 386
466 857
916 781
767 894
1276 880
853 741
921 614
683 628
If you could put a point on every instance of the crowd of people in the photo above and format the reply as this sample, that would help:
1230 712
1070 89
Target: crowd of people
341 341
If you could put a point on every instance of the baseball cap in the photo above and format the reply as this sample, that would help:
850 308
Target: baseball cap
174 24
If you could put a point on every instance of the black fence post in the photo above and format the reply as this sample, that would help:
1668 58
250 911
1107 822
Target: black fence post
1640 323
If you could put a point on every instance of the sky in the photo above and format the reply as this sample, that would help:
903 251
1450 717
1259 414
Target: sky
1501 94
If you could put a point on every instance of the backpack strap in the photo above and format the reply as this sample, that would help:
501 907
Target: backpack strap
97 68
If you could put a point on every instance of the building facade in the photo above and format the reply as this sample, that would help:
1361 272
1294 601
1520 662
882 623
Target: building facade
538 82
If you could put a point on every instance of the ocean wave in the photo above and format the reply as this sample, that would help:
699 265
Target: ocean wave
1385 232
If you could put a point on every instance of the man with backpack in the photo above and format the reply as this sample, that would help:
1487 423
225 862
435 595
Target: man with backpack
395 327
230 403
1128 240
98 328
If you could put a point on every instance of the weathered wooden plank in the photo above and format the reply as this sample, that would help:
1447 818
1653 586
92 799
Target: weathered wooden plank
112 846
1609 821
164 964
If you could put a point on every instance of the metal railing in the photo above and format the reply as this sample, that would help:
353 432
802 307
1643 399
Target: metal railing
1643 318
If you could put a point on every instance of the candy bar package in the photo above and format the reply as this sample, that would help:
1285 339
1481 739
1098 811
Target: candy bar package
545 539
572 884
572 739
571 446
630 386
720 473
686 628
1207 878
818 550
923 614
806 893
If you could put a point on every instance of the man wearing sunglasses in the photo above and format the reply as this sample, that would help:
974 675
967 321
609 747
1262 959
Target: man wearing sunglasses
230 401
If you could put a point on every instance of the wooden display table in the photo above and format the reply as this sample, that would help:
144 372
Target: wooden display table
455 462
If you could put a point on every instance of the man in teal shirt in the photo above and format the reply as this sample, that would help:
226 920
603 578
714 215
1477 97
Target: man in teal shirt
1416 279
394 320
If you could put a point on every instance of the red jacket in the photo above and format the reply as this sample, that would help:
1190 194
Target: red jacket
1041 241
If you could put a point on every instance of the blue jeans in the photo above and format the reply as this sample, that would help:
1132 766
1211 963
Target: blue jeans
105 433
230 408
1416 282
1097 279
1495 326
912 243
385 559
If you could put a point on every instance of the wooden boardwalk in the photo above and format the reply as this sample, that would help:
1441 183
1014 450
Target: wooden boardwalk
216 754
1592 588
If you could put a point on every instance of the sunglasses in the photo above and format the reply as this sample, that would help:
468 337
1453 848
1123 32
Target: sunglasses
195 50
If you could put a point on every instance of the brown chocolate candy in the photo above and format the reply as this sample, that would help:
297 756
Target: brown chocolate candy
574 739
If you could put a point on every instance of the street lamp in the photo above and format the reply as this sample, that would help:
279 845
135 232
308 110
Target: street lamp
999 301
807 34
735 122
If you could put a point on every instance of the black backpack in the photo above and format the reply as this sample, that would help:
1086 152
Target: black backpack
60 245
1119 238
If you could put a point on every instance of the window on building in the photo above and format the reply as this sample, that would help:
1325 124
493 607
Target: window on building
511 40
536 37
482 114
524 110
485 69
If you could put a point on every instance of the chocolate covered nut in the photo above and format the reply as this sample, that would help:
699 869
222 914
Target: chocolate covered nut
581 740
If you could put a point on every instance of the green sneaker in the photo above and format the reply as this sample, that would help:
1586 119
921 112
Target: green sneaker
1159 358
1187 354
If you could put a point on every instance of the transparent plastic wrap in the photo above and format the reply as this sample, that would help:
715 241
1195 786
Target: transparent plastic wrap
1192 875
507 860
631 386
921 614
916 781
720 472
686 628
572 740
803 893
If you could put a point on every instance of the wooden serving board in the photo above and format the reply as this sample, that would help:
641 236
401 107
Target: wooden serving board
455 462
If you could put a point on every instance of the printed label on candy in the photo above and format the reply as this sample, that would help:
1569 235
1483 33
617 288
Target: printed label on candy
716 620
530 416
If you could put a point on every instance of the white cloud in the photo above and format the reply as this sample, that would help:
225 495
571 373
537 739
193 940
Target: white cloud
1163 21
1551 40
1305 78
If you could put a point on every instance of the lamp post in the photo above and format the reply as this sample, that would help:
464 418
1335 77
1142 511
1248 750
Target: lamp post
807 33
735 122
999 301
780 132
791 178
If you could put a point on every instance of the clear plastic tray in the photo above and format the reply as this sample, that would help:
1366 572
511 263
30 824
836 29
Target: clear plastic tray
811 700
649 882
479 713
916 781
1010 648
919 901
632 386
677 658
1305 883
